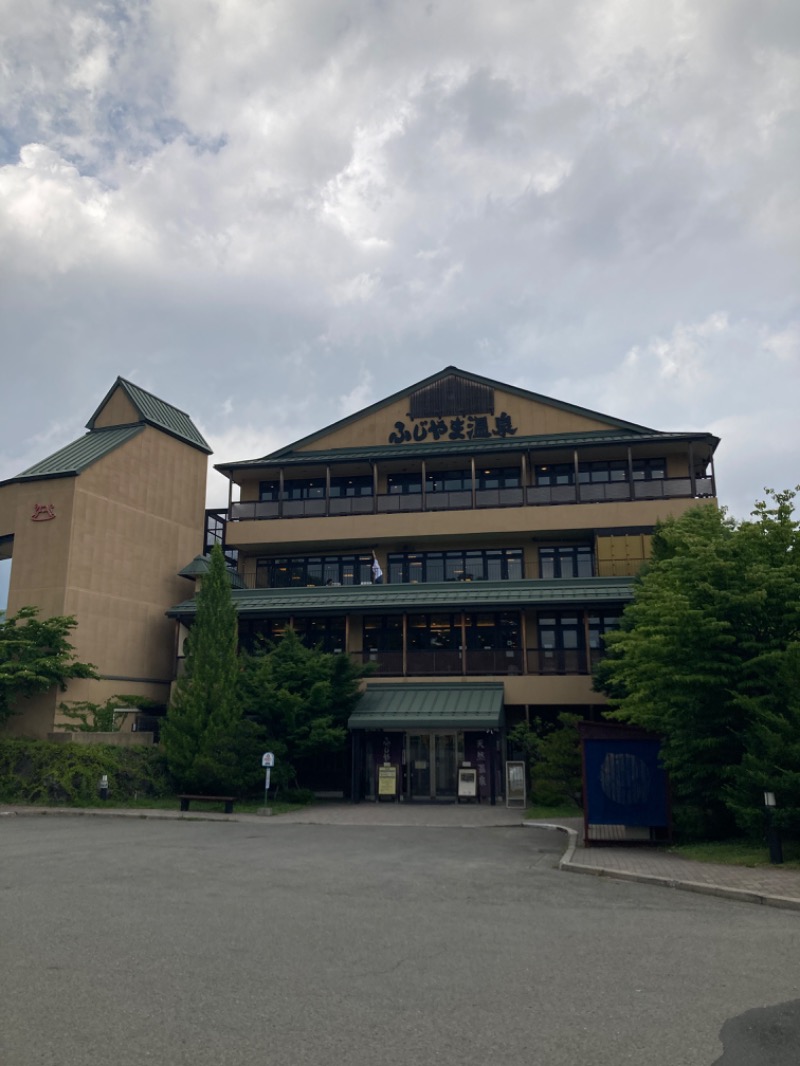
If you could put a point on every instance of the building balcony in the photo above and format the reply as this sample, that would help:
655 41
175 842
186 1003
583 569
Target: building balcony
535 496
483 662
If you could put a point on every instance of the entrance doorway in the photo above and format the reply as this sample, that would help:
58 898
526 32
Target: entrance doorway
433 760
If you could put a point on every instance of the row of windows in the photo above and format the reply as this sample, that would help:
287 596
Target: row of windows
484 631
489 564
461 480
599 472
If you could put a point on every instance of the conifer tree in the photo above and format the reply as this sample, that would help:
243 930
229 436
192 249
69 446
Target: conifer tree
204 733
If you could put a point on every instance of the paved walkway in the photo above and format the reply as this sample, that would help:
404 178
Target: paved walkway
774 886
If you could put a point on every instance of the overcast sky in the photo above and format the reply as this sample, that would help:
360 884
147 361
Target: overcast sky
273 212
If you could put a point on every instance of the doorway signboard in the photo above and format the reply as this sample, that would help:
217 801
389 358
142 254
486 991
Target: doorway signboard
515 784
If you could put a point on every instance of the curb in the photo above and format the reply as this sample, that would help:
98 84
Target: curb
742 895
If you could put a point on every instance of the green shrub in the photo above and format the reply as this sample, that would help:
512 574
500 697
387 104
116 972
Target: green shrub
40 771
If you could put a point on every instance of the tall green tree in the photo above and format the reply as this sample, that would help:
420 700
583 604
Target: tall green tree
36 655
204 735
301 697
704 656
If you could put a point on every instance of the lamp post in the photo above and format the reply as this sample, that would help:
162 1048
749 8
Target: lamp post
773 836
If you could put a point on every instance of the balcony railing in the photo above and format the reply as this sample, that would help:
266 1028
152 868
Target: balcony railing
462 500
484 662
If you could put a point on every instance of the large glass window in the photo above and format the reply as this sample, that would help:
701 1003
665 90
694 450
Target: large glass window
600 623
360 485
488 564
300 571
448 481
565 561
599 472
404 484
649 469
506 477
293 489
561 644
325 633
494 643
254 633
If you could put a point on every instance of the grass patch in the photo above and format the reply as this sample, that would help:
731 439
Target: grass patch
750 853
164 803
540 813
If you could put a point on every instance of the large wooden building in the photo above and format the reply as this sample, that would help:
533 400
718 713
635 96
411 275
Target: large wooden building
474 541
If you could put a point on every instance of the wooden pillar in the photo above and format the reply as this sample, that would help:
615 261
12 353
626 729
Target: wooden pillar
463 644
405 645
524 635
630 473
577 476
587 654
692 478
474 487
327 489
424 485
374 488
280 493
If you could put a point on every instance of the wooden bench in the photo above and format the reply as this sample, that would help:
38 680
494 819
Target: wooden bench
228 801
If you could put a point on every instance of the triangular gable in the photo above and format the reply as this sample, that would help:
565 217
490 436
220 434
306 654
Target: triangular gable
425 412
127 404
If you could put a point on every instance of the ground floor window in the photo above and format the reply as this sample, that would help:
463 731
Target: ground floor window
573 560
315 570
488 564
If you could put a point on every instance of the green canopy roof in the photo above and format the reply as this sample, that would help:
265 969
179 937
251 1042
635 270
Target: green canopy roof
461 705
455 595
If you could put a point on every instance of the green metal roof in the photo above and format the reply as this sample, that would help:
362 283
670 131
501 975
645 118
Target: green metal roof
454 371
455 595
70 460
375 452
460 705
156 413
199 567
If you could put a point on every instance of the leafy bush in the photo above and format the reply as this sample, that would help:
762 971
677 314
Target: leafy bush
40 771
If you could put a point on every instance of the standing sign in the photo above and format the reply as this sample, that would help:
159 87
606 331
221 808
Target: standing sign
515 784
267 761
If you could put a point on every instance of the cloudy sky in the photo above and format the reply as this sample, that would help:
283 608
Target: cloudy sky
273 212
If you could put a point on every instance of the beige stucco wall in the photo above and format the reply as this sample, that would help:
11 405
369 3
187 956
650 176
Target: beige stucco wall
450 527
527 416
122 530
117 411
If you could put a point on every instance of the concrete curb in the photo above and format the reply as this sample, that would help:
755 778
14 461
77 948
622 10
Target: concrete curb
570 865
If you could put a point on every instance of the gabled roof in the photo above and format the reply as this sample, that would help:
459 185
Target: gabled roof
70 460
542 442
438 596
618 427
199 567
155 412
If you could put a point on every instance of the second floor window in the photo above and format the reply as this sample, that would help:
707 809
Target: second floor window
489 564
566 561
300 571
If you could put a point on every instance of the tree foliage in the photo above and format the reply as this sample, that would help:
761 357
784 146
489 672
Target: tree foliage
301 697
553 758
36 655
707 656
205 738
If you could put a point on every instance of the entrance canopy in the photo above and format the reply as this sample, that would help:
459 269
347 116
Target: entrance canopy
463 705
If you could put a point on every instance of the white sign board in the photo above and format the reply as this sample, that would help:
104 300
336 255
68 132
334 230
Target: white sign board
268 759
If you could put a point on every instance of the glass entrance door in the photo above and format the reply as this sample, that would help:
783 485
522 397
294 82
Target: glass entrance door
445 765
419 765
433 764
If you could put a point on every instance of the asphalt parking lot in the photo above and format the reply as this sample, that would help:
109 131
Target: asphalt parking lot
129 941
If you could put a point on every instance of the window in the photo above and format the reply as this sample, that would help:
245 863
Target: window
498 564
360 485
507 477
600 472
561 644
555 474
404 484
297 572
600 623
325 633
649 469
293 489
448 481
566 561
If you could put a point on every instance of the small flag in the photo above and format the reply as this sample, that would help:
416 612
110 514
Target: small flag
377 573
